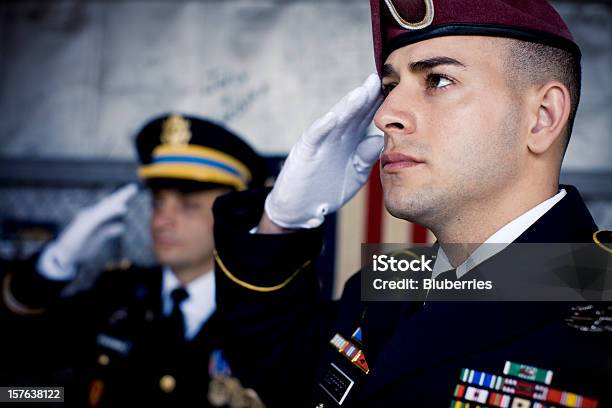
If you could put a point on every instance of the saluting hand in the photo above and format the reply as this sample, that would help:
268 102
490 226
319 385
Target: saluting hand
329 163
85 235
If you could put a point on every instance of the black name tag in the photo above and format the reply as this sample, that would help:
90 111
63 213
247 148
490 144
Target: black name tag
336 383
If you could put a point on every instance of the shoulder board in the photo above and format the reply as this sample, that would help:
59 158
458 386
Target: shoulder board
591 318
122 265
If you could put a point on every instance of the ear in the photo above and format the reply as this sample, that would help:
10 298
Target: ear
552 103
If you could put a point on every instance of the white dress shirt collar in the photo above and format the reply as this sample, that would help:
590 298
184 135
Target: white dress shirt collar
200 304
499 240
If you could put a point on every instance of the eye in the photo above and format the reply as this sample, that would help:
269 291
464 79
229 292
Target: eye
191 205
158 202
437 81
387 88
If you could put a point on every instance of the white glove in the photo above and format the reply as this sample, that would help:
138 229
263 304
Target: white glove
329 163
85 235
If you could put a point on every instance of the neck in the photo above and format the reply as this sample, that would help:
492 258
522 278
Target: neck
460 234
188 273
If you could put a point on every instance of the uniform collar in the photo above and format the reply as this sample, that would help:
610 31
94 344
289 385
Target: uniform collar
200 304
499 240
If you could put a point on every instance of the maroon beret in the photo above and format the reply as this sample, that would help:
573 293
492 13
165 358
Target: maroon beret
396 23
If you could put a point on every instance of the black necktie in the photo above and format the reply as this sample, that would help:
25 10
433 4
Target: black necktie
177 320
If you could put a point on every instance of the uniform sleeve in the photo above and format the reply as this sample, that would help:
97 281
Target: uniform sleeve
44 331
25 291
269 300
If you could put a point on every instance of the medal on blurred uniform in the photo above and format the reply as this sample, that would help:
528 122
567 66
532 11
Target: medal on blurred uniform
225 390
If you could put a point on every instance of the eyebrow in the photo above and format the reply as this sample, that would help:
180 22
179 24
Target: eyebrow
423 65
429 63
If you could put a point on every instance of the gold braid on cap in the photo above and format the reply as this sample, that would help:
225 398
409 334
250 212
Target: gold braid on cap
254 287
426 21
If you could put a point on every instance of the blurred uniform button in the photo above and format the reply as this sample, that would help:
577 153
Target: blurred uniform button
167 383
125 264
103 360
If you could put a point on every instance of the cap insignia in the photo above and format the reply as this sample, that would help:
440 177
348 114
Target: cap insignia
425 22
175 131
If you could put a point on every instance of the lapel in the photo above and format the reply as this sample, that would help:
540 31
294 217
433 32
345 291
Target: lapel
440 331
134 312
136 294
147 292
208 333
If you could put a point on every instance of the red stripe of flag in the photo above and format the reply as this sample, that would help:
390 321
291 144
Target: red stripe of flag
374 207
419 234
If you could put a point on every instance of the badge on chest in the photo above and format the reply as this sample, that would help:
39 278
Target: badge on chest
336 382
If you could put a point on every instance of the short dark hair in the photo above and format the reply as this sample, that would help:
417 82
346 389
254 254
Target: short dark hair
536 64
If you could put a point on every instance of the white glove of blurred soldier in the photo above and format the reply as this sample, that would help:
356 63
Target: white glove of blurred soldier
84 237
329 163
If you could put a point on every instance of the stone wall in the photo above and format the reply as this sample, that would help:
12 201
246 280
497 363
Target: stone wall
78 78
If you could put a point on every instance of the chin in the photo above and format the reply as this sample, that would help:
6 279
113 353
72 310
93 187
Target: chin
409 206
402 213
166 257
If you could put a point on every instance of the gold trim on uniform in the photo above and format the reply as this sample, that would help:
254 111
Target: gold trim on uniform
12 303
598 242
123 265
425 22
254 287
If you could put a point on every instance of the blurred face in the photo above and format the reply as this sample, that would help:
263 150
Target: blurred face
452 127
182 228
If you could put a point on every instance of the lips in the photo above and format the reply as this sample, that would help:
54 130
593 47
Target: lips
395 161
164 241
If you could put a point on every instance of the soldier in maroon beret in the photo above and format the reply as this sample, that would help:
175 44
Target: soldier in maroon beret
477 106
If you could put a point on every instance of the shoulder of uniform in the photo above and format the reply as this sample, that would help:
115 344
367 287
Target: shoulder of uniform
122 265
353 284
126 265
126 271
125 280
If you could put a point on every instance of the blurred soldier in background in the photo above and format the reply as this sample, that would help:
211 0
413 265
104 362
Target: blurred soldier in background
142 334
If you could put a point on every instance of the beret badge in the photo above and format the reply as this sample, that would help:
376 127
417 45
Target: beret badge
425 22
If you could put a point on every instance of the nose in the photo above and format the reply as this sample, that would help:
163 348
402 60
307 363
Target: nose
396 117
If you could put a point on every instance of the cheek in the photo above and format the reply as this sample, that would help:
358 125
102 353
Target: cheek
463 132
199 228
